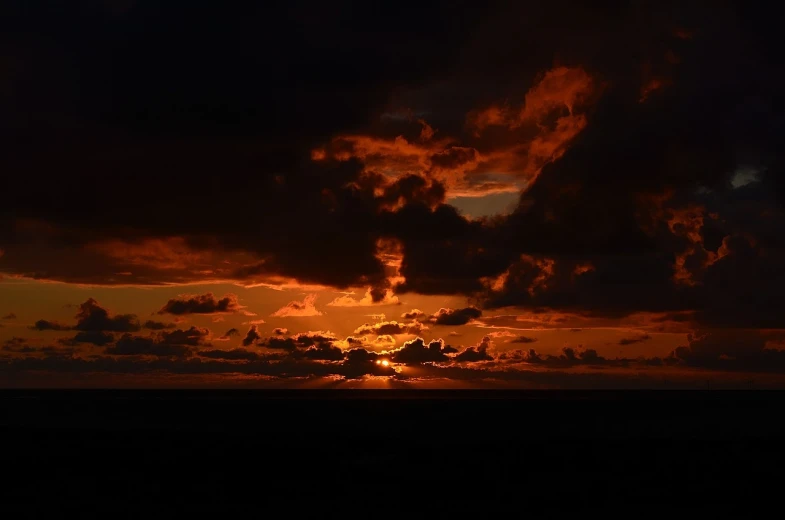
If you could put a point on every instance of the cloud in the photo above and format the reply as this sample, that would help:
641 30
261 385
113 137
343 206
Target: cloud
732 350
299 308
49 325
193 336
93 317
9 316
392 328
523 339
476 353
628 195
157 325
636 339
416 352
201 304
94 337
455 316
413 314
366 301
238 354
229 334
280 331
252 336
129 345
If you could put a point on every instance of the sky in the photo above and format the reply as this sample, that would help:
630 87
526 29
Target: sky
357 195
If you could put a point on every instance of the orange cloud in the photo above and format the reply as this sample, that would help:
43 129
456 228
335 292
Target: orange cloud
366 301
296 308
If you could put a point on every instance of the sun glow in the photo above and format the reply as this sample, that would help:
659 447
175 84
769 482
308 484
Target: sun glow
383 362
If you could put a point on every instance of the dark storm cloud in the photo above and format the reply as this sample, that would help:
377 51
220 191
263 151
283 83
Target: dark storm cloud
600 230
211 109
200 304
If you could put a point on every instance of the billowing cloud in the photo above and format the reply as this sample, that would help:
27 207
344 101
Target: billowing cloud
392 328
416 352
644 178
280 331
476 353
413 314
296 308
93 317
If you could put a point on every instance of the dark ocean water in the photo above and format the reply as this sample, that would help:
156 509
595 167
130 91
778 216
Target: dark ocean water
163 453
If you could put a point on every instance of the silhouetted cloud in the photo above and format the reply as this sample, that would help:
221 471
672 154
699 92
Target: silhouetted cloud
49 325
391 328
416 352
228 334
476 353
238 354
129 345
636 339
157 325
94 337
455 316
251 336
201 304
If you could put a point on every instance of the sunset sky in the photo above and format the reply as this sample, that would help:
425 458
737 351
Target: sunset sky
340 194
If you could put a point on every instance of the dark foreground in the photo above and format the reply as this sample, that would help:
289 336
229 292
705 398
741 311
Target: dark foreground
153 454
